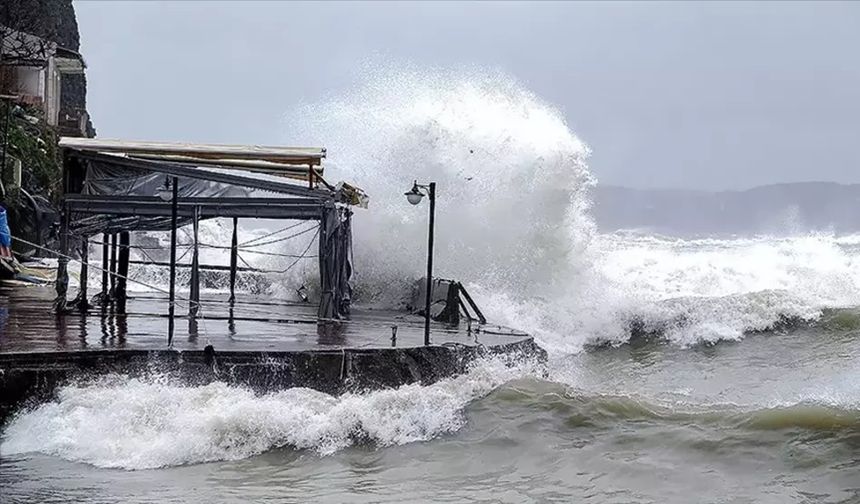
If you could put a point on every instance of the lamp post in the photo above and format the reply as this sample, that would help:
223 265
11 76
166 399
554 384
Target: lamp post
414 197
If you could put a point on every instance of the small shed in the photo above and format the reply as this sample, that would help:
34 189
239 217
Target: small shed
34 69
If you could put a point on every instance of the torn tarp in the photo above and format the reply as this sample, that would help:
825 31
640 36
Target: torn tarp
335 246
104 179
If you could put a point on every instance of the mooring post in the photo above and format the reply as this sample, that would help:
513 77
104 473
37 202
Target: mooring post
122 270
234 257
194 304
429 264
174 210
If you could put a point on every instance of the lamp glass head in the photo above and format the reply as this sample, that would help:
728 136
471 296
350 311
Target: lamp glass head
165 193
414 195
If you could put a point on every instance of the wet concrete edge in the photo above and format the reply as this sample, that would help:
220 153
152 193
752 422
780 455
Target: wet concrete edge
27 379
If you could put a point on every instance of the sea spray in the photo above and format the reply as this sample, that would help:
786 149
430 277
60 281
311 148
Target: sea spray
512 205
513 223
141 423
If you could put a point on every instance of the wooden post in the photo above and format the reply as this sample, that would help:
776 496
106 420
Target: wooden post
194 304
234 256
174 210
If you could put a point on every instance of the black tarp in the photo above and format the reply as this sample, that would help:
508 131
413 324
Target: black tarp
105 179
335 242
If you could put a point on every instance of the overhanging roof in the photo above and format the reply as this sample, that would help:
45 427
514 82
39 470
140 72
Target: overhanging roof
111 185
184 170
286 155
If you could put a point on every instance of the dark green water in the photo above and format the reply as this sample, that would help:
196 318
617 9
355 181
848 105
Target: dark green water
770 418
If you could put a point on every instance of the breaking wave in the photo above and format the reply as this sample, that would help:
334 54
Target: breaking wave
581 410
513 224
134 423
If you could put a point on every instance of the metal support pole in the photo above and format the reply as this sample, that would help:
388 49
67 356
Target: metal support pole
83 302
194 295
105 266
174 210
122 270
429 264
62 283
234 256
113 247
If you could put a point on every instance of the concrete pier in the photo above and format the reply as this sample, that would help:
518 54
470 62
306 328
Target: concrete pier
265 345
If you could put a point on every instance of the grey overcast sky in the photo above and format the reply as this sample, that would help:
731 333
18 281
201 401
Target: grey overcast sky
719 95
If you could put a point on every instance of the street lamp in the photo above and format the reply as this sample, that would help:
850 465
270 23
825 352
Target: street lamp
414 197
165 193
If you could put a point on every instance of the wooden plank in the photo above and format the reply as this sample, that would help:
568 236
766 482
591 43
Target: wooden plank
290 155
296 172
179 170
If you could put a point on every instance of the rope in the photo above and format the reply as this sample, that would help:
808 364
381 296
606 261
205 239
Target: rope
239 256
308 230
212 246
302 256
201 304
128 279
260 252
287 228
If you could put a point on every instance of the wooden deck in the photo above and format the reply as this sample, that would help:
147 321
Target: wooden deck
27 324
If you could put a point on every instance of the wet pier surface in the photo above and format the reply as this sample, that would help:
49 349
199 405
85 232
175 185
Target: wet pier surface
27 324
265 345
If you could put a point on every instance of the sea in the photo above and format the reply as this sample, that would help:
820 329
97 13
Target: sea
681 369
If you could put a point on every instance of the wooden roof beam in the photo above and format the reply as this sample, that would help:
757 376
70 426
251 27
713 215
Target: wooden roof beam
289 155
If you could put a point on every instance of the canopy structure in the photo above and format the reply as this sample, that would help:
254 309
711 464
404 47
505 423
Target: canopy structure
114 187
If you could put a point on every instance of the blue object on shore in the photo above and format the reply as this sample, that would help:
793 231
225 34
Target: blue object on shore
5 233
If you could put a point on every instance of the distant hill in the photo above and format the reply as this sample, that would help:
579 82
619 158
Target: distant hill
775 209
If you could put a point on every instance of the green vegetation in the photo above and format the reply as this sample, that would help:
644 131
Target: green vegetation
35 144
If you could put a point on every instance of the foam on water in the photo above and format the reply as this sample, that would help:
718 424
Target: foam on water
145 423
707 289
135 423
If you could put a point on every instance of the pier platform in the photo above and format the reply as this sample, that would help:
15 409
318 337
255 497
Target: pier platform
260 343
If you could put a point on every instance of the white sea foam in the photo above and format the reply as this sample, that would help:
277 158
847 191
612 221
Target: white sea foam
136 423
719 289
